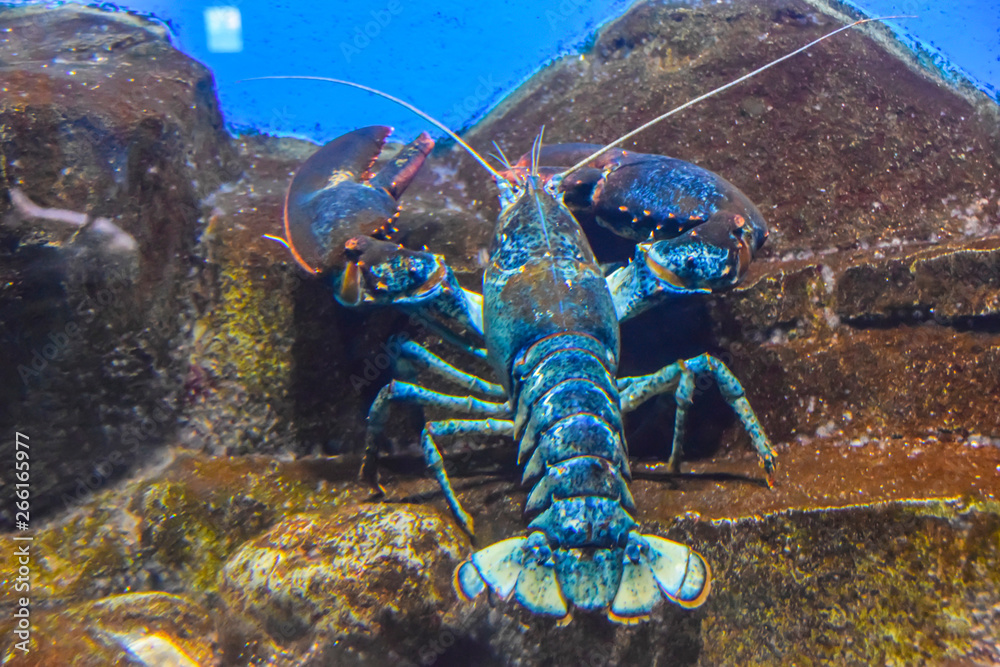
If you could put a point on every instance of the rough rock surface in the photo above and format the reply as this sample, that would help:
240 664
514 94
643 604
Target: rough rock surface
127 629
866 335
881 189
289 562
98 114
348 578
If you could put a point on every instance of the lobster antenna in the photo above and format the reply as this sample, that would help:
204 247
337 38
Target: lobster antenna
374 91
616 142
536 152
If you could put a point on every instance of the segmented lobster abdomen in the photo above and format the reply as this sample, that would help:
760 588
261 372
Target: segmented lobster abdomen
568 425
583 550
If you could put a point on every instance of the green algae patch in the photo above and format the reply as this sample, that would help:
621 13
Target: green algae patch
87 555
241 355
202 509
178 532
177 527
250 327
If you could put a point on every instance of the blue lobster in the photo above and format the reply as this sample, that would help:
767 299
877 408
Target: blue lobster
550 322
547 322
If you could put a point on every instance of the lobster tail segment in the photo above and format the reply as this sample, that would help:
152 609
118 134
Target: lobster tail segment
626 582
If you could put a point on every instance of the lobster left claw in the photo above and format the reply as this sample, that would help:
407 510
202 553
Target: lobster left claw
334 197
646 197
339 221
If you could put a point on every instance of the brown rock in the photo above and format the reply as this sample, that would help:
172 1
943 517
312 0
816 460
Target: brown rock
359 581
149 629
101 116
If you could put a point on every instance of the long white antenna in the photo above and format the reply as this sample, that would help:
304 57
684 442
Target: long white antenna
616 142
375 91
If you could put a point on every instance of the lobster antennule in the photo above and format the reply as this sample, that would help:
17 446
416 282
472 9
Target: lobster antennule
626 583
617 142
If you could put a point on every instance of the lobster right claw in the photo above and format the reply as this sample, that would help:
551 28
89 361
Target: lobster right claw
711 257
643 196
334 197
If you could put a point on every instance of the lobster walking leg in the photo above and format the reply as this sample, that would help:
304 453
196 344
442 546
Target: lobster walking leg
406 392
432 455
421 355
679 378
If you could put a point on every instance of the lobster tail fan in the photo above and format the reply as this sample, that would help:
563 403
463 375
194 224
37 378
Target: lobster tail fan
521 566
548 582
655 568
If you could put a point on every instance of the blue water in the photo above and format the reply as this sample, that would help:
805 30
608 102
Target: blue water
457 60
961 37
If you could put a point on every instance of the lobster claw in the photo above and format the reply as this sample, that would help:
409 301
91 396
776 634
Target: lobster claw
710 257
334 197
647 197
380 273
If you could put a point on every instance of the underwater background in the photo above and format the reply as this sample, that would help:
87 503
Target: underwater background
183 407
457 62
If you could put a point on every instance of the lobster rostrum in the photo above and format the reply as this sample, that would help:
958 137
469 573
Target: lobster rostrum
547 322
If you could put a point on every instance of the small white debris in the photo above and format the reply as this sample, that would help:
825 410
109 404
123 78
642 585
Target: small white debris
976 441
826 430
828 279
